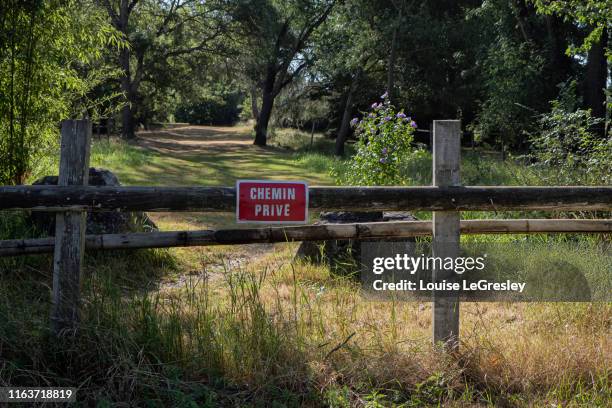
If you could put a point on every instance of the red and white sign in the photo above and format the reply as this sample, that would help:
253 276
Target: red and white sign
271 202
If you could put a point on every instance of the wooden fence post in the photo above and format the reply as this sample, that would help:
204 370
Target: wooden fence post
446 228
70 228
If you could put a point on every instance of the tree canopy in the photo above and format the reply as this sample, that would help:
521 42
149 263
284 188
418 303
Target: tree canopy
495 64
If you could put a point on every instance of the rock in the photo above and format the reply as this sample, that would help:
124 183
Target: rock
108 222
398 216
347 217
343 256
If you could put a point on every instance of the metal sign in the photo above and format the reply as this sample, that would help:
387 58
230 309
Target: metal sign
271 202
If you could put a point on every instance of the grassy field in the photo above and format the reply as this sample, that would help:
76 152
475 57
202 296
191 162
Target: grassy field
251 326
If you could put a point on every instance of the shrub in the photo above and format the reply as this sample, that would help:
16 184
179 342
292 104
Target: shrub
566 144
512 78
384 146
223 109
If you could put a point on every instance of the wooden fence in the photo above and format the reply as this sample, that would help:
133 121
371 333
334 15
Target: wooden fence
213 199
72 198
361 231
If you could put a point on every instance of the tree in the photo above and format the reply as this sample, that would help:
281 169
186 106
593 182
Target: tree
277 40
595 16
519 63
50 60
158 31
399 9
347 51
495 64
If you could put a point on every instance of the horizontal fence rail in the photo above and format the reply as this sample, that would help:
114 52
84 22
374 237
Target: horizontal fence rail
373 230
210 199
446 198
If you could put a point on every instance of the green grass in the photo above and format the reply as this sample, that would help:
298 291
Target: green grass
248 326
283 336
289 155
215 165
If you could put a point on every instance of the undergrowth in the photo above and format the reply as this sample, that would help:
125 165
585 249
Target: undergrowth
292 335
193 328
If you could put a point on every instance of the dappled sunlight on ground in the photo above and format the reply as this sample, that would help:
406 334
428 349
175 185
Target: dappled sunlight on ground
209 156
203 155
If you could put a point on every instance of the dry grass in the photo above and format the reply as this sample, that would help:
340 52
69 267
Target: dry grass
271 331
300 329
248 326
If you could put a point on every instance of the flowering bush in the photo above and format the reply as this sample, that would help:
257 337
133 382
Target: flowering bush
383 146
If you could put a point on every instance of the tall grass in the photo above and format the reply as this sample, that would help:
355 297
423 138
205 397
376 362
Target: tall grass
273 331
291 335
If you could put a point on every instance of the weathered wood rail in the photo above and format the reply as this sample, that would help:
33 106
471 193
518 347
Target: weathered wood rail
211 199
373 230
73 198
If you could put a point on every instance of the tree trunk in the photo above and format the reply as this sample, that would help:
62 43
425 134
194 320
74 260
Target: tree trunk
392 57
129 86
345 125
522 13
254 108
557 35
127 122
127 114
267 102
312 134
261 128
596 76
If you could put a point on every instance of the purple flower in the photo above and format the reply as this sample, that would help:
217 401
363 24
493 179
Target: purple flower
354 121
413 124
401 115
384 96
387 118
371 115
384 150
383 160
374 105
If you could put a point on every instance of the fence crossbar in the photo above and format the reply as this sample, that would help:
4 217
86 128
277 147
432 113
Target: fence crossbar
223 199
357 231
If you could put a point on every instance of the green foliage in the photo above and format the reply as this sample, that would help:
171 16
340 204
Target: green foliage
219 109
595 14
565 143
172 48
50 59
296 107
347 50
233 337
384 146
512 71
477 169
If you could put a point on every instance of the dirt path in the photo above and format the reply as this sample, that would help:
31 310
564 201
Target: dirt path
200 137
208 155
213 156
223 141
